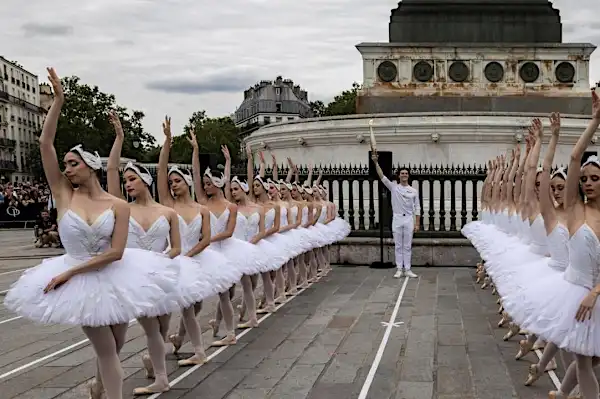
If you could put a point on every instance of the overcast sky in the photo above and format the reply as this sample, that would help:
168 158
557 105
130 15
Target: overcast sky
178 56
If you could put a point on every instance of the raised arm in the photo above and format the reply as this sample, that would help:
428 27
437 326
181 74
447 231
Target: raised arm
162 178
319 178
532 163
58 183
112 166
250 171
308 181
290 174
546 201
275 167
227 188
201 196
510 182
572 183
520 172
263 165
530 141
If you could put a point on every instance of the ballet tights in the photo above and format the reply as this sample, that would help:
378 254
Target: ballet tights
268 289
107 342
156 349
291 276
249 300
302 272
280 281
182 330
188 315
588 386
225 309
549 352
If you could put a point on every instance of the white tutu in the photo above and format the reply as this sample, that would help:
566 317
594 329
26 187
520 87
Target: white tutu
221 272
318 236
284 245
297 242
244 256
117 293
552 317
274 255
341 227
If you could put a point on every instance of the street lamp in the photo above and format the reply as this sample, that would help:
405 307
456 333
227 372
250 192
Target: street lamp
136 144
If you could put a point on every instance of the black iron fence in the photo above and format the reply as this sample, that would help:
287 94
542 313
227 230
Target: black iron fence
448 195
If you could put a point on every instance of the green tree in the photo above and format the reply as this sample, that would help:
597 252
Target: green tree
211 134
33 161
318 108
84 120
344 103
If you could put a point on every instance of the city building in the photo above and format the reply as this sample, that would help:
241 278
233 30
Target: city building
21 119
272 102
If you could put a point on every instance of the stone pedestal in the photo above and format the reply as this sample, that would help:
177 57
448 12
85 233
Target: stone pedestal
421 77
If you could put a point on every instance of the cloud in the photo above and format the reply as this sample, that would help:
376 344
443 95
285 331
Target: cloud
156 56
217 83
33 29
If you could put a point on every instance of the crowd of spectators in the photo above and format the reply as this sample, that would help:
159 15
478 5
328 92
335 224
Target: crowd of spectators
26 205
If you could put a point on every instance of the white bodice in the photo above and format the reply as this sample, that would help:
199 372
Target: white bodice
558 246
269 219
190 233
284 217
155 239
539 238
218 224
82 240
241 227
323 215
304 215
294 211
251 222
584 252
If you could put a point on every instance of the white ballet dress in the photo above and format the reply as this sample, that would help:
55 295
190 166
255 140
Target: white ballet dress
306 240
285 244
207 273
272 255
520 302
156 239
553 316
115 294
319 239
244 256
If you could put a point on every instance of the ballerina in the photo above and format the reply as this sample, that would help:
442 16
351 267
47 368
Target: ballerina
207 272
97 284
151 227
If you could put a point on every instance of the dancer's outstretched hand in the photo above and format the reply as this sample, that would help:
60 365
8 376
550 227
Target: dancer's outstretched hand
167 127
192 138
555 123
586 308
56 84
595 105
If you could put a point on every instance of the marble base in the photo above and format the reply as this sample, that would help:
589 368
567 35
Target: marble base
426 252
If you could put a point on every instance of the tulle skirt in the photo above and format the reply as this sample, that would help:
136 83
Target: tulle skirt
297 241
284 244
552 317
117 293
318 236
340 227
246 257
275 255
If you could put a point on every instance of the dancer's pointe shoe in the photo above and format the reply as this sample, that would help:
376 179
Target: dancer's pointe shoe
524 349
551 366
215 326
486 283
248 324
176 341
534 375
196 360
292 292
148 366
266 309
228 340
513 330
150 390
498 301
304 285
505 319
539 345
500 309
95 389
280 299
494 292
560 395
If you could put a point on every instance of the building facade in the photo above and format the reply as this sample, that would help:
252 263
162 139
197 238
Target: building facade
21 119
272 102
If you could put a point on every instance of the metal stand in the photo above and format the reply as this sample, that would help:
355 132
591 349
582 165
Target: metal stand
381 264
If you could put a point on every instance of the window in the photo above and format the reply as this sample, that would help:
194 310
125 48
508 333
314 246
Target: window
267 119
278 91
290 118
278 119
278 107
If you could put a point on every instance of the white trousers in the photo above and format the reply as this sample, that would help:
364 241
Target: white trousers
402 230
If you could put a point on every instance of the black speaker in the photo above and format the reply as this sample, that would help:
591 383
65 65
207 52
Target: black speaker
385 163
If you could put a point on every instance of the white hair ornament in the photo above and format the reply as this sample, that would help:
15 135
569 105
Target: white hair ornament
146 177
592 159
92 160
242 184
187 178
217 181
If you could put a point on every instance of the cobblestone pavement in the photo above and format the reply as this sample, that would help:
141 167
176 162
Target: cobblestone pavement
443 343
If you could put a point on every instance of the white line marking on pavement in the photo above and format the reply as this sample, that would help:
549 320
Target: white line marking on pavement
396 324
223 348
11 319
50 356
386 336
13 271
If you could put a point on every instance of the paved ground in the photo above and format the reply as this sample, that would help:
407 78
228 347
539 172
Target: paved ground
443 343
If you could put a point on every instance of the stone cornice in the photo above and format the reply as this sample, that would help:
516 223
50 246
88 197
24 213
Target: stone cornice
408 128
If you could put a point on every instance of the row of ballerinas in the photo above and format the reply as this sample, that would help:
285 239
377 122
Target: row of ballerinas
538 239
146 260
